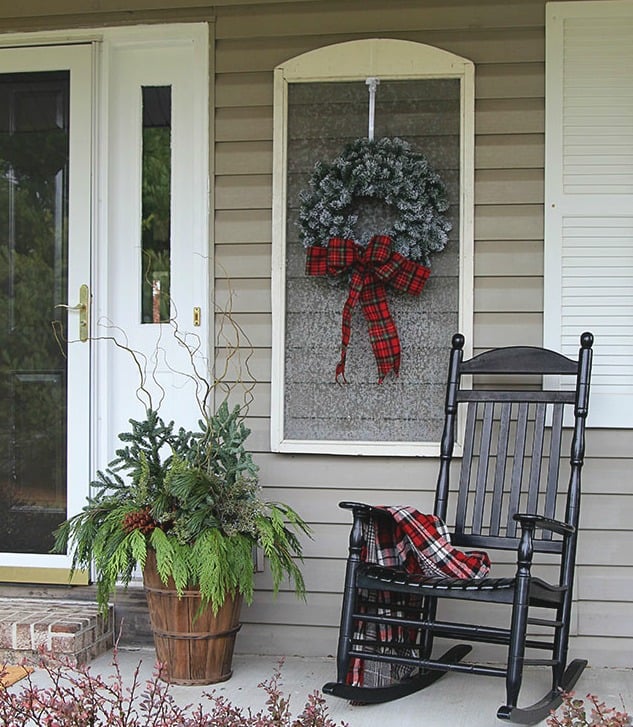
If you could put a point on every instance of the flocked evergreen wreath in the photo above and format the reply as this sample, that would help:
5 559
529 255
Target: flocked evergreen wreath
387 170
410 200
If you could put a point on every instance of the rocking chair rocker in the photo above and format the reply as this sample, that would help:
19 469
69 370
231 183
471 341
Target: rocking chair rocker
511 495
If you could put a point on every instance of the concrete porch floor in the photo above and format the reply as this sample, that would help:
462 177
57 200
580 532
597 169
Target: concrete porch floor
457 700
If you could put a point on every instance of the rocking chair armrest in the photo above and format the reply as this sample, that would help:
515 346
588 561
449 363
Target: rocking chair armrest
357 508
360 510
363 511
556 526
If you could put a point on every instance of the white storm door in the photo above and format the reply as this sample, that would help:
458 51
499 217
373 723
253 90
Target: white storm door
154 266
45 239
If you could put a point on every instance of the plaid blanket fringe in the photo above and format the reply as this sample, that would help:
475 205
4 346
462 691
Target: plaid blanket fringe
417 543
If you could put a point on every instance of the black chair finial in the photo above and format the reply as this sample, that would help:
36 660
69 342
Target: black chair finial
458 341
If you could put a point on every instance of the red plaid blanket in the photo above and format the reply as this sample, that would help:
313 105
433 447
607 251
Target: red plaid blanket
420 544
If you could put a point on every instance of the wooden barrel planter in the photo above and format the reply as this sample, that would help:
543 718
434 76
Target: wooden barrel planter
194 648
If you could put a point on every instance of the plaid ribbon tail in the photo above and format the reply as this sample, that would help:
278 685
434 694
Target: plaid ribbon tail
340 368
383 334
355 292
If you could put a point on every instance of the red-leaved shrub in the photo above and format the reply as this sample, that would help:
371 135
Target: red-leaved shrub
77 697
573 713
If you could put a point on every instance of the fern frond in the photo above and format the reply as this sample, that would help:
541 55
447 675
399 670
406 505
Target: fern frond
138 547
281 545
181 568
164 549
223 566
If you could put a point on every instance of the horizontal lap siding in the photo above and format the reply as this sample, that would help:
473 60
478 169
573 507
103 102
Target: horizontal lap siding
506 43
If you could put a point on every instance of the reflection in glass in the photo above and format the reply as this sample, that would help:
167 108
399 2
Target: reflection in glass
34 110
156 222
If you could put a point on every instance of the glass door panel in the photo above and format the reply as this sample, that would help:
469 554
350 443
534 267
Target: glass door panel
33 272
39 227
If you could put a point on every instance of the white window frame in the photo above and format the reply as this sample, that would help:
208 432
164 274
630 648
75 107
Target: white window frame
350 61
588 274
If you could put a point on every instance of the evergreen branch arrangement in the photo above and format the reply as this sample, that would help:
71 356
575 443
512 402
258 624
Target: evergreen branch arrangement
191 497
390 171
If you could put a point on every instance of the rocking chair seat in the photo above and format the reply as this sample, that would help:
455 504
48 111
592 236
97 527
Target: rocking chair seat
500 590
416 582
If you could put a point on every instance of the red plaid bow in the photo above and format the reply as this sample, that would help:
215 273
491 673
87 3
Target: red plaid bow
372 268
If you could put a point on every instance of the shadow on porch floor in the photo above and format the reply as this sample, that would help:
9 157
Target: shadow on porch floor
457 700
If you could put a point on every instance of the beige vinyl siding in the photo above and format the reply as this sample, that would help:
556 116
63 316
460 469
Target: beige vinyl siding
506 43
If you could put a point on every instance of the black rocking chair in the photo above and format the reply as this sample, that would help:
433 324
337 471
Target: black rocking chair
511 495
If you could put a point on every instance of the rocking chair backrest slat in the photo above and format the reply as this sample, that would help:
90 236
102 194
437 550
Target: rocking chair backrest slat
500 468
511 449
464 482
551 492
517 467
537 457
483 467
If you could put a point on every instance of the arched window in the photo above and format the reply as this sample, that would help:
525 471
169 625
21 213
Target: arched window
323 102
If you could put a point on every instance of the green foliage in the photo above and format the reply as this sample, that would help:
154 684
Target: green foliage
192 497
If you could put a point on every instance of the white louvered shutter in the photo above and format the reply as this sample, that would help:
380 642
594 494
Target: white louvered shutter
589 195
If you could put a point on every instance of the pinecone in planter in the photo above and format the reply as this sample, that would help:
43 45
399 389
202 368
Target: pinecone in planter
139 520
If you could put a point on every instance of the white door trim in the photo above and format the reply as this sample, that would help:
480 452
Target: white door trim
120 154
95 46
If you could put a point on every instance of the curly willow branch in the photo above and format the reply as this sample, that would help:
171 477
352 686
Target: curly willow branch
139 359
206 379
236 341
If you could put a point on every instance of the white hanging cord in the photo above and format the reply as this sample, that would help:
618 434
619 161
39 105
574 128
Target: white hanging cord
372 83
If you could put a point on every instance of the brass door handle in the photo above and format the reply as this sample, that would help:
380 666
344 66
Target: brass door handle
84 312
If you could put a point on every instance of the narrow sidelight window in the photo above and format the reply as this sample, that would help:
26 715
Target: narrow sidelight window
156 204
